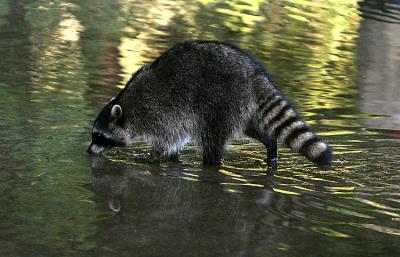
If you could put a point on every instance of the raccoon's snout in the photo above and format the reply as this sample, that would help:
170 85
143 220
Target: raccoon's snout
95 149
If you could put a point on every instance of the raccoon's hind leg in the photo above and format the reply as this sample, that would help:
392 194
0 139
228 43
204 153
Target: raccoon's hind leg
212 153
212 143
271 143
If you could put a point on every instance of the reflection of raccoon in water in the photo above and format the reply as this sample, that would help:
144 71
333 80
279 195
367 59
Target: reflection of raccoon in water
205 91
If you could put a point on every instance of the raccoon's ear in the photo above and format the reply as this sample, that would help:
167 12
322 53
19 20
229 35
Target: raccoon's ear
116 111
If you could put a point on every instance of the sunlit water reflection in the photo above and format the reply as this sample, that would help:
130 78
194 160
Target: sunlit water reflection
338 62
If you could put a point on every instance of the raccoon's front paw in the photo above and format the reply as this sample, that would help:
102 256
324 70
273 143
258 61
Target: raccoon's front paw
174 157
154 160
154 156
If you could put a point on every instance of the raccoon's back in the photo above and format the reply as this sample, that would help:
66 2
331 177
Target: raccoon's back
210 77
211 61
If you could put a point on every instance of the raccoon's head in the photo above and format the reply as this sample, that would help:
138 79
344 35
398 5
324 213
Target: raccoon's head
109 129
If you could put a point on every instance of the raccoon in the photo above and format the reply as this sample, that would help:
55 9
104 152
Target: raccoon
204 91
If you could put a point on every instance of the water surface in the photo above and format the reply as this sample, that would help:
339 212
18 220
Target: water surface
60 62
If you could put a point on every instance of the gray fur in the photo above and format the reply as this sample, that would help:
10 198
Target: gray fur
204 91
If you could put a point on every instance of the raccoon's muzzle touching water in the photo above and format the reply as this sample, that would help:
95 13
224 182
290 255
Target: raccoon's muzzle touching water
207 92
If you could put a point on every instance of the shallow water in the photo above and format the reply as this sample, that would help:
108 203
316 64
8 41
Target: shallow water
60 61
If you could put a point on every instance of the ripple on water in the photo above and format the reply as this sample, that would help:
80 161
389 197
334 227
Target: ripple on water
340 191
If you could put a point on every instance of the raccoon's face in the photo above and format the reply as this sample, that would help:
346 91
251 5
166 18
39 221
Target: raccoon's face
108 130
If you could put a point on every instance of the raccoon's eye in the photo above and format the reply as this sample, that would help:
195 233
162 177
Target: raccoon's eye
100 140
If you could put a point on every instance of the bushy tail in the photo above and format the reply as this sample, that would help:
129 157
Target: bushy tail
282 122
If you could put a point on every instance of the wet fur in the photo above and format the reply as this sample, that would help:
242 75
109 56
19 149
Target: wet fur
207 91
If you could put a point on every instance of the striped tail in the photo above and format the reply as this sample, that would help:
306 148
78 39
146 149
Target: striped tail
281 121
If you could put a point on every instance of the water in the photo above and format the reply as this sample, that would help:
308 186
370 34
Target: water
338 61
